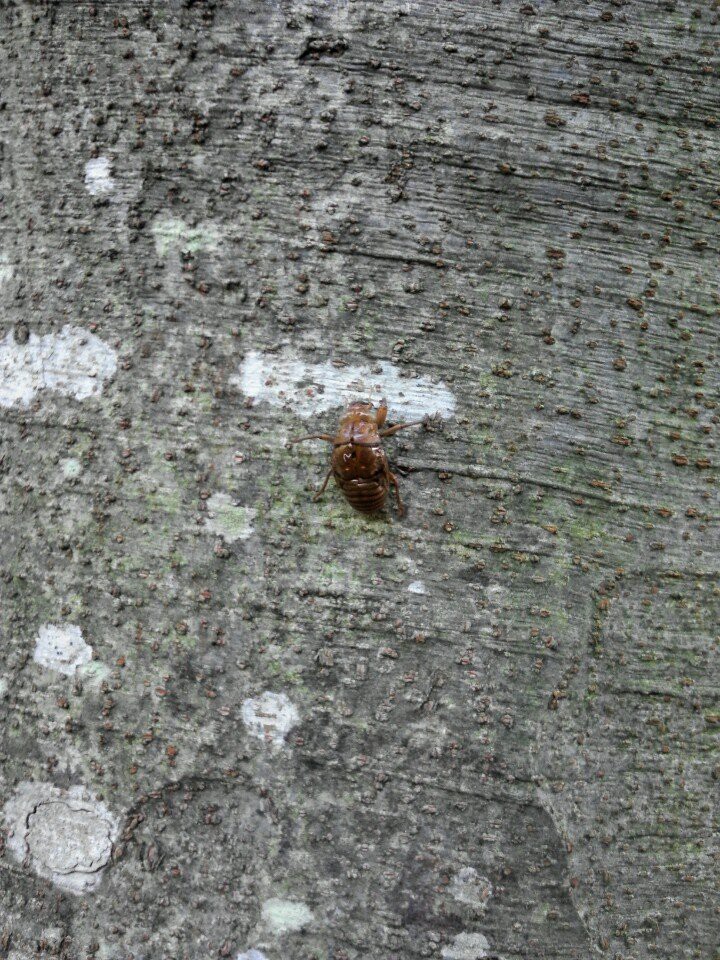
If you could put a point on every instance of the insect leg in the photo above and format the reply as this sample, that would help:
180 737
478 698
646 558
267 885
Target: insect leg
382 411
399 426
393 480
314 436
321 491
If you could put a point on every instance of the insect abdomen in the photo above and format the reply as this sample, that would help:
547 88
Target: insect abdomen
367 496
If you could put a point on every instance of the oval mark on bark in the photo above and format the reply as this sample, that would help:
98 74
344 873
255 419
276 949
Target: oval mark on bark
65 836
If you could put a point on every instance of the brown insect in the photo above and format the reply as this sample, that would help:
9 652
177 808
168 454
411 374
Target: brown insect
359 464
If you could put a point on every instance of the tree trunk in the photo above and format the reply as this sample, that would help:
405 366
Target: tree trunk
238 722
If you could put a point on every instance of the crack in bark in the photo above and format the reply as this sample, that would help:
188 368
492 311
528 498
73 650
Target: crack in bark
478 473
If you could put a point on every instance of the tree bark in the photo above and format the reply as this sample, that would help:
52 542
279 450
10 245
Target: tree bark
237 722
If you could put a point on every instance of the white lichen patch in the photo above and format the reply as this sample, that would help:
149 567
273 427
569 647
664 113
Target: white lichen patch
61 647
228 520
171 233
73 362
285 916
312 388
471 888
98 176
467 946
417 586
71 468
270 717
251 955
6 270
65 836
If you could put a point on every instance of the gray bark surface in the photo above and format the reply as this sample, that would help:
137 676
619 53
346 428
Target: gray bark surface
228 724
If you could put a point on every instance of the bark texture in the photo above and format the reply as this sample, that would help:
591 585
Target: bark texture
240 723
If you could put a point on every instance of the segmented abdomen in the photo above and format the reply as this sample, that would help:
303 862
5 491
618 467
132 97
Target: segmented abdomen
367 496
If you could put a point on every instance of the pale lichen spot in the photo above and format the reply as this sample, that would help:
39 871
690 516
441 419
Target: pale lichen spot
539 913
172 233
95 672
251 955
285 916
6 270
270 717
73 362
61 647
228 520
98 176
470 887
311 388
417 586
65 836
467 946
71 468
